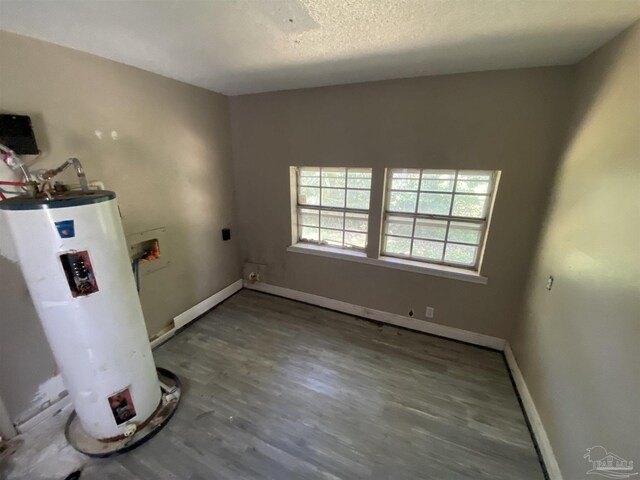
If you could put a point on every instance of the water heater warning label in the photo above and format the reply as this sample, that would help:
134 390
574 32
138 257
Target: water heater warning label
122 406
66 229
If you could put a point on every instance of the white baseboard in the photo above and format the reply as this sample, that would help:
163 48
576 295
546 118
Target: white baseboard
48 394
156 342
45 414
380 316
7 430
443 331
194 312
535 421
206 305
179 321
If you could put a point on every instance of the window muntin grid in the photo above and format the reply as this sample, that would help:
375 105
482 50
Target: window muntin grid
333 206
437 216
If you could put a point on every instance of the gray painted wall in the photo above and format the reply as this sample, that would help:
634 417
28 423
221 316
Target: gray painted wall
170 167
513 121
577 345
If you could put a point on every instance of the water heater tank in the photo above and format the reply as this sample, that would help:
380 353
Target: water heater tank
74 259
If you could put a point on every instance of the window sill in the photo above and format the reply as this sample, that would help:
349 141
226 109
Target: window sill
390 262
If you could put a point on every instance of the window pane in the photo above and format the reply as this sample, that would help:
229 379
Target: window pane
309 196
331 237
332 197
358 199
437 185
434 203
313 181
472 206
461 254
334 177
397 246
402 226
465 232
356 240
308 217
332 219
428 250
359 178
309 234
408 180
402 201
356 221
478 175
309 171
438 180
430 229
472 186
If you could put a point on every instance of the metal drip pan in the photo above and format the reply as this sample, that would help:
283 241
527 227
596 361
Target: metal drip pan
82 442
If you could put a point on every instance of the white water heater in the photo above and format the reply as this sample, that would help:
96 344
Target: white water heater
74 258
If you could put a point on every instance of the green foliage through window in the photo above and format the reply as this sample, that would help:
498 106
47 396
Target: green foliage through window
333 206
437 216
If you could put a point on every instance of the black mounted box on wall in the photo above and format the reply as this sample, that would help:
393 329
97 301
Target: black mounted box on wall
226 234
16 133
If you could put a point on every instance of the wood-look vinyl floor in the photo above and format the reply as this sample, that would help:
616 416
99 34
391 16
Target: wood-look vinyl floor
276 389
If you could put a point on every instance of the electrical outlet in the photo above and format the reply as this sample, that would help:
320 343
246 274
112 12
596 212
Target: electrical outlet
429 312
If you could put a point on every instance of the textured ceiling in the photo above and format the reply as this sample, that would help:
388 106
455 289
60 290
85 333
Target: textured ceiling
246 46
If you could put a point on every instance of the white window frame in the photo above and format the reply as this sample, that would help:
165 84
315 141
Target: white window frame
297 226
483 222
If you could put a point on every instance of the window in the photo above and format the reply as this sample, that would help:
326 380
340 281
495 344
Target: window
333 206
434 222
437 216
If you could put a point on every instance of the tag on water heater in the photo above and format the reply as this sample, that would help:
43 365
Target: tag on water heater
66 229
122 406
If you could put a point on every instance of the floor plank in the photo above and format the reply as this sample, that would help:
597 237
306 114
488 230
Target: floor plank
276 389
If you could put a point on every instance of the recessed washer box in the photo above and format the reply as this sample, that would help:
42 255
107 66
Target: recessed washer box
144 241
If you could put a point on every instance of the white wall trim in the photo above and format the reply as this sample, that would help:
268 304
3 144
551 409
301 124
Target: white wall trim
49 393
206 305
407 265
156 342
179 321
553 469
443 331
194 312
380 316
45 414
7 430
